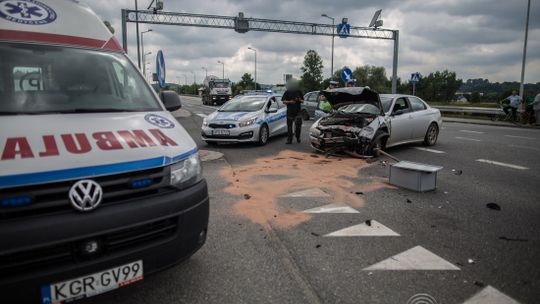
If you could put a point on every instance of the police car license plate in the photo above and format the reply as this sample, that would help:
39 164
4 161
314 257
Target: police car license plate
221 132
92 284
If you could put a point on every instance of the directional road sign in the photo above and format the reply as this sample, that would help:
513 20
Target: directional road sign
160 69
346 74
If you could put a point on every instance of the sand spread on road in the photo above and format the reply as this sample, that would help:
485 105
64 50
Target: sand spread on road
296 171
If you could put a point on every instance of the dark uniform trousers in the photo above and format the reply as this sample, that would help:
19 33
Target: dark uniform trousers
297 121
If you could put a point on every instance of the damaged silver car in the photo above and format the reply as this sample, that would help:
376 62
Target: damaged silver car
362 122
357 126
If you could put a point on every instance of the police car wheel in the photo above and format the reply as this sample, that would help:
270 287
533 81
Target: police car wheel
263 135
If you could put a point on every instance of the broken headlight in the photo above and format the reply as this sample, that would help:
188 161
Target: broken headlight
367 132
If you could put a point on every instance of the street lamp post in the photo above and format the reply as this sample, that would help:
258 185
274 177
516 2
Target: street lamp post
223 69
142 49
521 85
205 72
137 30
185 78
254 50
333 37
194 83
144 62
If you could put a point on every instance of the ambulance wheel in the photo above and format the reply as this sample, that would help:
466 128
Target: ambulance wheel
264 133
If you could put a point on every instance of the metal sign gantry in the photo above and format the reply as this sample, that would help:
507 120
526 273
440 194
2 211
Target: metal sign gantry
243 24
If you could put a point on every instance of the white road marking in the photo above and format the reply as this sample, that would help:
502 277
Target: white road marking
374 229
524 147
492 162
202 115
429 150
313 192
521 137
417 258
490 295
467 138
332 208
470 131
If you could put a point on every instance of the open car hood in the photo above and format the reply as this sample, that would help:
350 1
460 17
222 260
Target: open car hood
355 95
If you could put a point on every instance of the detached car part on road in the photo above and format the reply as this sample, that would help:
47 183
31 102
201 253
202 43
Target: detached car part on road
363 122
99 185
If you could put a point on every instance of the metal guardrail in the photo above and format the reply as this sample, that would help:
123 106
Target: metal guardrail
474 110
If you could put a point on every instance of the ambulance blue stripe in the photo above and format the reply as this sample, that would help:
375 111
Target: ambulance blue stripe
88 172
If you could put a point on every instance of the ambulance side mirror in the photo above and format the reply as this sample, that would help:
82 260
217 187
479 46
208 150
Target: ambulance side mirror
170 100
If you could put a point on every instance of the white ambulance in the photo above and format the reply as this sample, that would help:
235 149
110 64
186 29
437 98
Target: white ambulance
99 184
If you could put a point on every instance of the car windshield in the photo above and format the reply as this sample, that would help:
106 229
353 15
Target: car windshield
386 103
37 79
244 104
360 108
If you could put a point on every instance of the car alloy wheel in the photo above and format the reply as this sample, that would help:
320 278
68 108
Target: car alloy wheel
431 135
263 135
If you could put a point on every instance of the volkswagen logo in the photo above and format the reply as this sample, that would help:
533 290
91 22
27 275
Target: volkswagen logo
85 195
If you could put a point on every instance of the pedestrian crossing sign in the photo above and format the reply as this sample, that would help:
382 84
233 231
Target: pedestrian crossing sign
415 77
344 30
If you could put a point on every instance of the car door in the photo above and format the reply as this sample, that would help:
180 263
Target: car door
275 116
281 125
311 103
421 117
400 121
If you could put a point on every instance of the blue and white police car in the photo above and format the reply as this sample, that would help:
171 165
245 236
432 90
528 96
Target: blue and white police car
99 184
249 117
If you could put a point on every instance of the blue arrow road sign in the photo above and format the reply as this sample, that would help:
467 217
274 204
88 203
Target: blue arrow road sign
346 74
160 69
343 30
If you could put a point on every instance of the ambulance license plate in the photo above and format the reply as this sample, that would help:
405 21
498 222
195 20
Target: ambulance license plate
221 132
92 284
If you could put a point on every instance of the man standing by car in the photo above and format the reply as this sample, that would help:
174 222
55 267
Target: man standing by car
515 101
293 98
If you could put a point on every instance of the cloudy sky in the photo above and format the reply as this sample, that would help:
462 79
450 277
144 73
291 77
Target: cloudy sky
475 38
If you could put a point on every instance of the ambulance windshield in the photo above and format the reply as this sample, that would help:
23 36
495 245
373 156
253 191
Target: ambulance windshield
38 79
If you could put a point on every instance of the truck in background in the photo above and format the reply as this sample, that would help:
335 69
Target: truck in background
216 91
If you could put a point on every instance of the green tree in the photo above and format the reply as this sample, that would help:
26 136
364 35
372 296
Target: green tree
312 72
245 83
439 86
373 77
475 97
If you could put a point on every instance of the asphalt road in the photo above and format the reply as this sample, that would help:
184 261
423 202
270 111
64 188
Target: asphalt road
447 243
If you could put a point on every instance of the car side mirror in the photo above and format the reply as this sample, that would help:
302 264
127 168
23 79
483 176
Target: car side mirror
170 100
269 111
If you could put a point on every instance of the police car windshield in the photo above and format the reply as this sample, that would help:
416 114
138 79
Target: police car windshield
36 79
244 104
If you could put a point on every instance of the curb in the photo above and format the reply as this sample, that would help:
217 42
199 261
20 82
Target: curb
207 155
480 122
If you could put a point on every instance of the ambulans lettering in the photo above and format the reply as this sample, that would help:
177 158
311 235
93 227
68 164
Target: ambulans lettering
106 141
136 138
51 148
80 143
17 146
